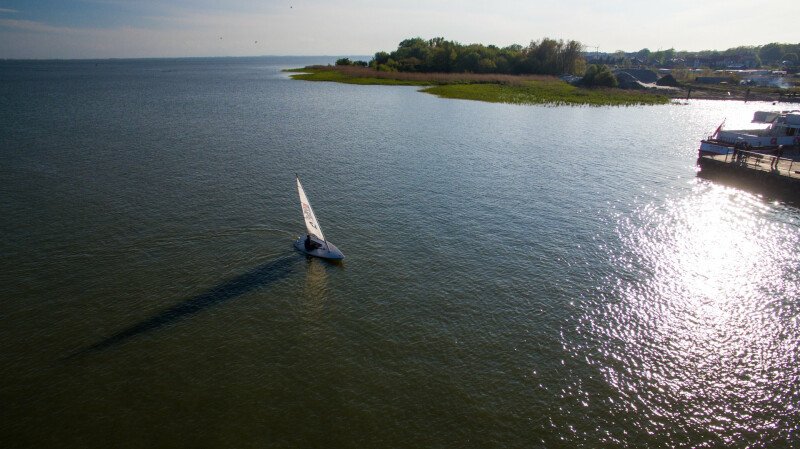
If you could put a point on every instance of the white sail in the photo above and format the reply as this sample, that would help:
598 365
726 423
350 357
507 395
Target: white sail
312 225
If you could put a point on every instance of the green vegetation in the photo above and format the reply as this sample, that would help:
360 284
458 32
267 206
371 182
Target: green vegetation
347 61
557 57
340 76
774 55
544 57
599 75
526 74
553 92
485 87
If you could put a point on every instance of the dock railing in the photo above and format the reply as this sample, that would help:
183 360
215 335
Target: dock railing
760 161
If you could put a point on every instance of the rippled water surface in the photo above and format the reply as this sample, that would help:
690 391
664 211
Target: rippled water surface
516 276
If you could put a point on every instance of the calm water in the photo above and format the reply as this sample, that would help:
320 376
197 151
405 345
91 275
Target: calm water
516 276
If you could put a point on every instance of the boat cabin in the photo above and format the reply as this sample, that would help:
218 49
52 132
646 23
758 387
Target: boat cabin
783 129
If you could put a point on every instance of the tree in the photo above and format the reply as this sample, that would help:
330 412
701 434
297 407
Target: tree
548 56
442 59
468 62
599 76
344 61
487 65
771 53
573 62
381 57
410 64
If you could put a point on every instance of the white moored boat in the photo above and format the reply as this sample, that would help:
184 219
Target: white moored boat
783 130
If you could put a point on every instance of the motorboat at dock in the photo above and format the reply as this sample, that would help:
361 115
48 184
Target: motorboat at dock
783 131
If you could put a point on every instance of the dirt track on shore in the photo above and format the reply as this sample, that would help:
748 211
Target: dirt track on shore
735 94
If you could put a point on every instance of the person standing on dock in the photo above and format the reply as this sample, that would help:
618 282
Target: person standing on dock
777 158
737 152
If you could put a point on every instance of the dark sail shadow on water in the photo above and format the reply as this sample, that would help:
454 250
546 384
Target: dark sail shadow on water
259 277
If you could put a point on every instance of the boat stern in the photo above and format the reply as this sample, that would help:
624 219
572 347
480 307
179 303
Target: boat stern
327 251
714 148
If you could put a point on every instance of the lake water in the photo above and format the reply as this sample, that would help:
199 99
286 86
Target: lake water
516 276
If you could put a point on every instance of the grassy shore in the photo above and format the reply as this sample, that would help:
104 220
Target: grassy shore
554 92
485 87
339 76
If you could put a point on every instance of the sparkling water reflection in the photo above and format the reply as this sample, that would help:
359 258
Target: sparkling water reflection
699 335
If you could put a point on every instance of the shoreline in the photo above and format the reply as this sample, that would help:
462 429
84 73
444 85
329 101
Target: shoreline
734 94
535 89
492 88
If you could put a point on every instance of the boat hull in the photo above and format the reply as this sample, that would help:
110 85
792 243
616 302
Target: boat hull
327 251
713 148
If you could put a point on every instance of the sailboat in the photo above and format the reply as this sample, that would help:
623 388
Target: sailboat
314 242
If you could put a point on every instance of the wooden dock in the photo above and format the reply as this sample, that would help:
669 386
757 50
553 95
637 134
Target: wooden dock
758 172
780 166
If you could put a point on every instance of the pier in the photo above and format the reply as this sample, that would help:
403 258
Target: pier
759 172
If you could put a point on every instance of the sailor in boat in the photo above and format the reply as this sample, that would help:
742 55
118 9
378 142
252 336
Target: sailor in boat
311 244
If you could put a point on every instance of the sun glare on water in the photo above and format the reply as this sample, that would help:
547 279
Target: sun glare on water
699 330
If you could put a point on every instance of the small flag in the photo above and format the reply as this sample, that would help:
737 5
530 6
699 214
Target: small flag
719 128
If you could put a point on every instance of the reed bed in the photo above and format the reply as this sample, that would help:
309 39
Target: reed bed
432 78
498 88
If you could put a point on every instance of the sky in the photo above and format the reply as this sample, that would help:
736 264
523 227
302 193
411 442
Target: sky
80 29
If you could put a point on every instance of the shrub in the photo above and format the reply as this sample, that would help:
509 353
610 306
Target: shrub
599 76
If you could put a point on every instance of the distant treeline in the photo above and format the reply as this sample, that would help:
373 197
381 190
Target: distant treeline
558 57
769 54
774 54
544 57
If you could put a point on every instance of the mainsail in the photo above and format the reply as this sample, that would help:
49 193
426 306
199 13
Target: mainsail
312 225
